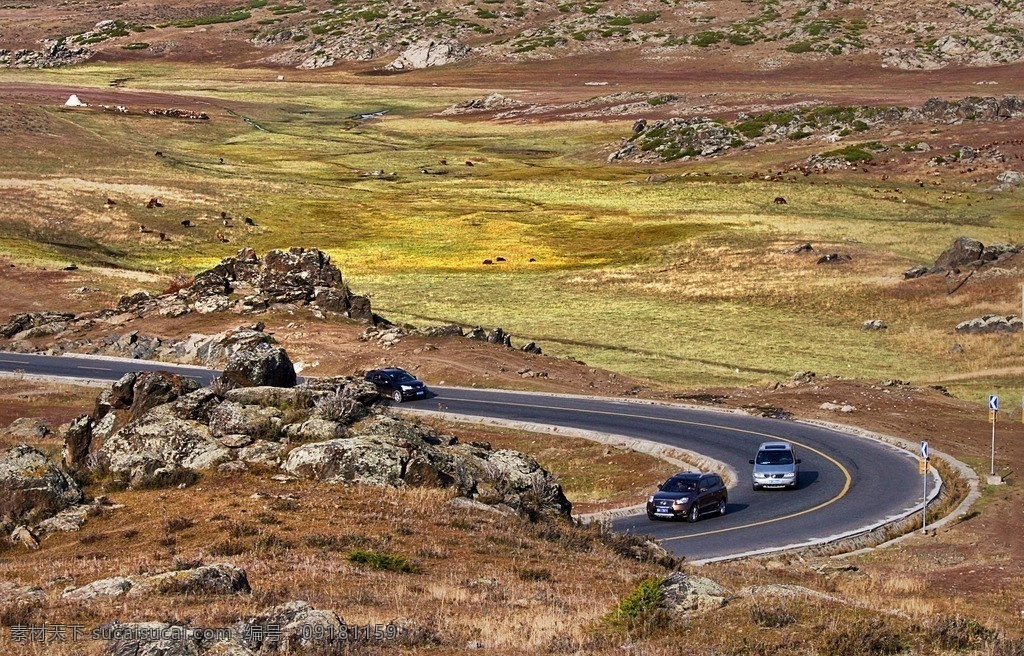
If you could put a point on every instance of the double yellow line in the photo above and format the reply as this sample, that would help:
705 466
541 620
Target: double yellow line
837 497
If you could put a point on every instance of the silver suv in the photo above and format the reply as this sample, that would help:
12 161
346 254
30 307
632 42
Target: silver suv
776 466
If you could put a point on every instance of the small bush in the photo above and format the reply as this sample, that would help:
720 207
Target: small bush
800 47
771 615
641 607
382 561
864 637
232 547
175 524
534 574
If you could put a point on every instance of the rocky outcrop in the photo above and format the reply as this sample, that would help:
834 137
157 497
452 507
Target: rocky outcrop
397 453
343 436
701 137
51 54
35 324
425 54
962 253
991 323
32 488
159 449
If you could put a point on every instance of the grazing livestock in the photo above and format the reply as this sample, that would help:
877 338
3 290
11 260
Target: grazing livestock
488 262
442 162
499 259
186 223
223 215
227 223
248 221
221 237
533 259
159 153
110 202
779 200
153 202
163 237
221 160
469 163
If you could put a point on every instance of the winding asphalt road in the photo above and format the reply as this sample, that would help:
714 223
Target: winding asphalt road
847 483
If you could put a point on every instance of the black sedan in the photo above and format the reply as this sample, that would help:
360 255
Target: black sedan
688 495
397 383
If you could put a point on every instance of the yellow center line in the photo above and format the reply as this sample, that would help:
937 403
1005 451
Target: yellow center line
842 493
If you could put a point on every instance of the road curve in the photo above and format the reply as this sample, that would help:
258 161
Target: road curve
848 483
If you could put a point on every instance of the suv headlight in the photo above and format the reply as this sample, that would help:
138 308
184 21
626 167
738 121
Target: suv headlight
406 388
682 501
650 499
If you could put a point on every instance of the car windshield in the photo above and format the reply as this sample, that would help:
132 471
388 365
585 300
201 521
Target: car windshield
775 458
402 377
678 485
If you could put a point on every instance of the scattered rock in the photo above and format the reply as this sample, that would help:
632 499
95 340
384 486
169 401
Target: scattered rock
915 271
964 251
836 407
991 323
802 248
25 537
874 324
292 628
686 594
833 258
32 488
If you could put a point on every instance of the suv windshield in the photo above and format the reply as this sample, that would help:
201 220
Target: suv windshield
402 377
678 485
775 458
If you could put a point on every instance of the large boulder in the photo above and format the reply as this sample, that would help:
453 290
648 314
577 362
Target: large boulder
32 488
425 54
230 418
215 579
683 593
264 365
361 460
962 252
157 449
293 628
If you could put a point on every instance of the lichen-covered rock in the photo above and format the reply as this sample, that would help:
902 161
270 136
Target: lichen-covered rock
153 449
295 628
361 460
230 418
214 579
682 593
117 586
315 429
264 365
196 406
32 488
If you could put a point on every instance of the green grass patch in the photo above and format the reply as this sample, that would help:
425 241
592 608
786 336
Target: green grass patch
382 561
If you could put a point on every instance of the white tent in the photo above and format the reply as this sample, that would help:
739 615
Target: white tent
73 101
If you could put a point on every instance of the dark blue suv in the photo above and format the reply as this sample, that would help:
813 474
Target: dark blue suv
397 383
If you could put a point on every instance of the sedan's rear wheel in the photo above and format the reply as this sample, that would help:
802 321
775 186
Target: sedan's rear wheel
694 513
397 396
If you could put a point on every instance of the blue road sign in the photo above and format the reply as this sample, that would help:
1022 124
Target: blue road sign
993 402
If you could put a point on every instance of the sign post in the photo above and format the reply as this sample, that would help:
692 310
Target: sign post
924 494
993 411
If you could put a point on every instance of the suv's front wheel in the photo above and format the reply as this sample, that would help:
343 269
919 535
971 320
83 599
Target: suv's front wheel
694 513
397 396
